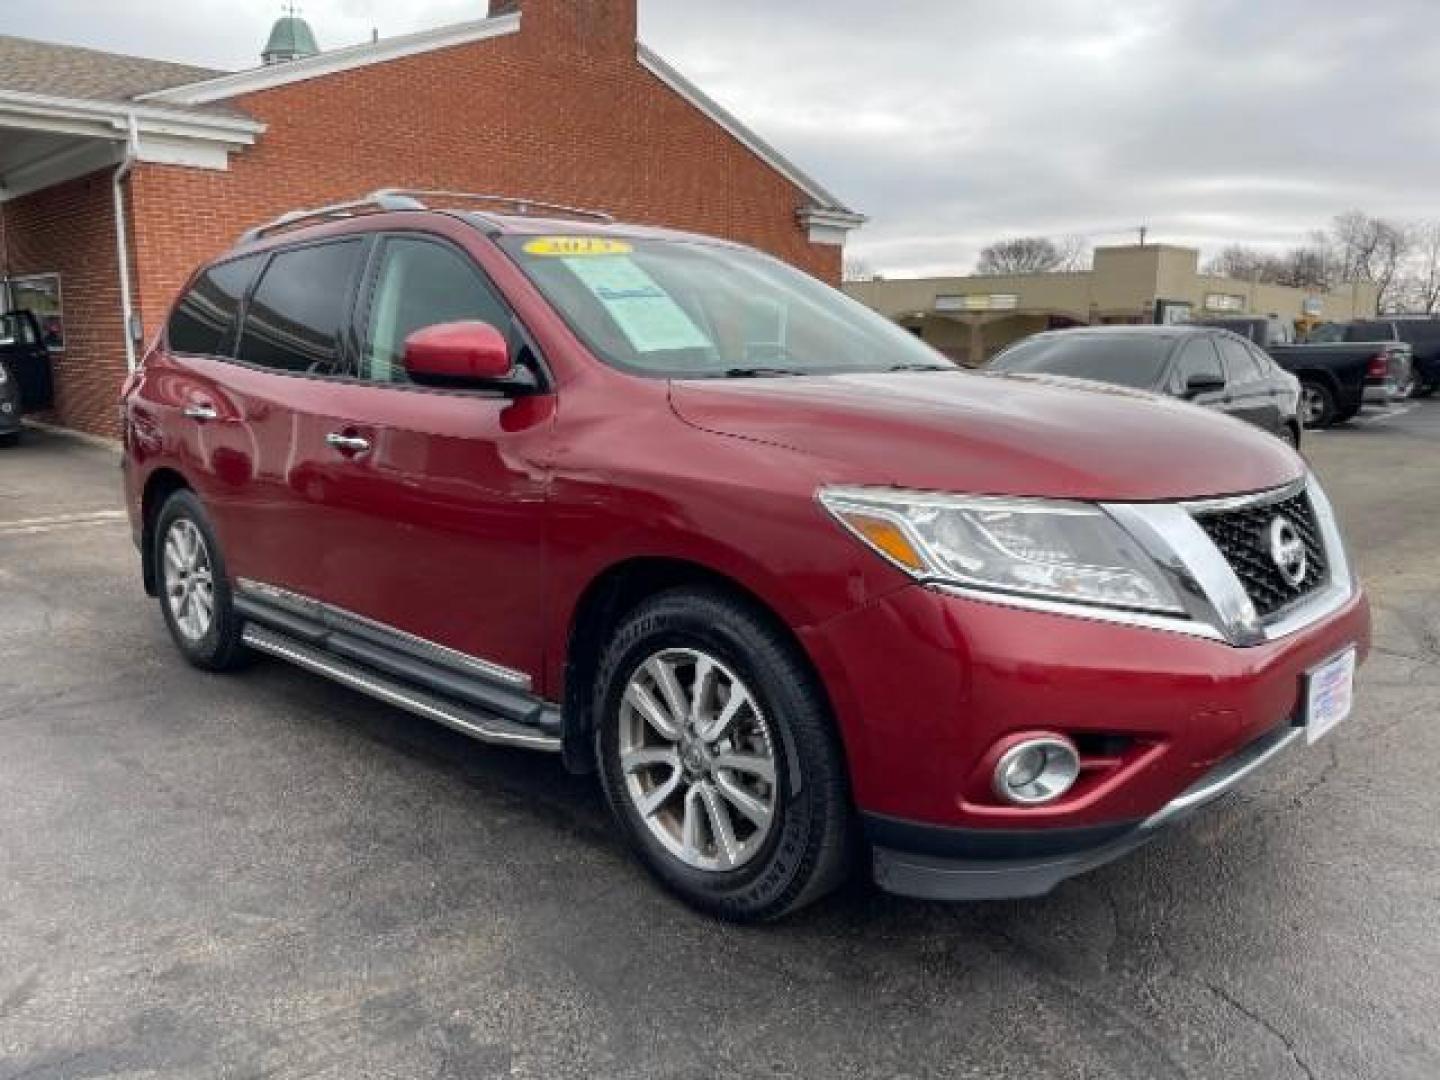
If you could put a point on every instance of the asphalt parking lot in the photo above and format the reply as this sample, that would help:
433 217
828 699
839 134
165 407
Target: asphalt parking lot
266 875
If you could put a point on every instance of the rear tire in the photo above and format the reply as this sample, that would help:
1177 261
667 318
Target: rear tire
1317 404
672 673
193 587
1422 390
10 438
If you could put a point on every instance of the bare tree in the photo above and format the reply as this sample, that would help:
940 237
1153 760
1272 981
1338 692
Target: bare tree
1420 282
1304 267
1244 263
1021 255
1076 255
1372 249
855 270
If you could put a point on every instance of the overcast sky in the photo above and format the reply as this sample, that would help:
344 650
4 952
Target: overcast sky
954 122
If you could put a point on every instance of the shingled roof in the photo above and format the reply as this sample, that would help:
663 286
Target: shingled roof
41 67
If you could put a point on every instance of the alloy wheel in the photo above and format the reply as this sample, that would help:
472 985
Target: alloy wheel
1312 406
699 760
189 580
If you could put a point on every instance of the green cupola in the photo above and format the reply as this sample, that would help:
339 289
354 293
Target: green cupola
290 39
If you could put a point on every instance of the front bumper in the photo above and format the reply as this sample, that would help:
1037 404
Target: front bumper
925 684
937 863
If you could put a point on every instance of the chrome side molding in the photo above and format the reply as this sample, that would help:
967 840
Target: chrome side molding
335 618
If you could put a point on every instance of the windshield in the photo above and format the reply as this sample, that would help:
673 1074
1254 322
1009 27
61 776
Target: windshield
685 310
1112 358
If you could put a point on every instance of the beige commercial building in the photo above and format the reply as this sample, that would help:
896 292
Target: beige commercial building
972 318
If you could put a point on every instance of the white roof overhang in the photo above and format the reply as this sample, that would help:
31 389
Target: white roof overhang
46 140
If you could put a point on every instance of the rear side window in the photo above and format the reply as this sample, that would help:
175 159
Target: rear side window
295 317
203 323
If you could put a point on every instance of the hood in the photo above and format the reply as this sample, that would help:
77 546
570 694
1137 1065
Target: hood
995 435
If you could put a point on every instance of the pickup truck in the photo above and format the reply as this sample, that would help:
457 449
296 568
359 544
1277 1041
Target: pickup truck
26 382
1338 378
1421 333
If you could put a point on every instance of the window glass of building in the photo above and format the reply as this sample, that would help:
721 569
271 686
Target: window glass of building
41 294
294 320
422 283
204 322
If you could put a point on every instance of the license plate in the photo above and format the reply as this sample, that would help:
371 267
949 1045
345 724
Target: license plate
1329 695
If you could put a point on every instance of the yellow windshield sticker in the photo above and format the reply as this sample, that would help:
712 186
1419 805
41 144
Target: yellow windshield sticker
576 247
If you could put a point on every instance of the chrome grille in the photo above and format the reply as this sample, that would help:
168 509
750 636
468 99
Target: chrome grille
1243 537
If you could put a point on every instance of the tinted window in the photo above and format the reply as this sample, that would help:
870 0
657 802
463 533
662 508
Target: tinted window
420 284
1197 358
1424 330
294 320
203 323
1112 358
1328 334
1238 361
1370 331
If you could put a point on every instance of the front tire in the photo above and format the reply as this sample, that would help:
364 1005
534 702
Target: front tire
719 759
194 589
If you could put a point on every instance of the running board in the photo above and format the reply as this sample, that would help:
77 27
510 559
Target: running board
490 729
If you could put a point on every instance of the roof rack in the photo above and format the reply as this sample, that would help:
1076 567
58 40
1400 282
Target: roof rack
389 200
520 206
378 202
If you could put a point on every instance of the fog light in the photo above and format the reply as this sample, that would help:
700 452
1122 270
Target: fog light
1037 771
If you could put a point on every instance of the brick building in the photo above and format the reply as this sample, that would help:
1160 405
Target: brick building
104 156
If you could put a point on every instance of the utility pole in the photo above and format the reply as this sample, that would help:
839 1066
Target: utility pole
1144 232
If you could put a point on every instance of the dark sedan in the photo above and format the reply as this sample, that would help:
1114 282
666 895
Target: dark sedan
1211 367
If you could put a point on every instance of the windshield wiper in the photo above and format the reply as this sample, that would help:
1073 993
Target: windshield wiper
917 367
759 372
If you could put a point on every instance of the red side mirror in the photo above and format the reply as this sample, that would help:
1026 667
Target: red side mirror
457 352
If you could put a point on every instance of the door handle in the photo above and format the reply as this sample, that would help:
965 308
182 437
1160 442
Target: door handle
350 445
200 411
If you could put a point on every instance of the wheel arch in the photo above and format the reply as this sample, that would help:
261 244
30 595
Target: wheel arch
614 593
1319 375
159 486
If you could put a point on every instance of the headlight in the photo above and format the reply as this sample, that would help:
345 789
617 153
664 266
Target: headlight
1071 552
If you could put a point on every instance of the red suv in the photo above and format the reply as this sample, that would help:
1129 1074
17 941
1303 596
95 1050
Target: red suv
800 591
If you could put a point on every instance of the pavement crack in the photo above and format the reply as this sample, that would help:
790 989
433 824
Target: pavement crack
1101 1004
1217 991
1332 763
1259 1020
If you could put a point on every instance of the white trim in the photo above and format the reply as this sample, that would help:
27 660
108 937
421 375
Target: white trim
122 249
329 63
830 227
103 131
662 70
110 119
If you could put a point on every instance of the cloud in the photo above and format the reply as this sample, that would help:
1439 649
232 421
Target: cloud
951 124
